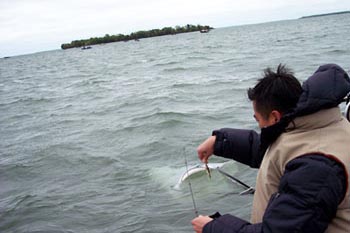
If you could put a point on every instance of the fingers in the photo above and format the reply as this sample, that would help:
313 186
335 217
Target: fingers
196 224
206 149
203 153
199 223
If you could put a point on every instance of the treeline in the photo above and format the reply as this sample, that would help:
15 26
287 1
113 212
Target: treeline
327 14
135 35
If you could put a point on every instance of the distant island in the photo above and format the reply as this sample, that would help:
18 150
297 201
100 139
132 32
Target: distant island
320 15
135 35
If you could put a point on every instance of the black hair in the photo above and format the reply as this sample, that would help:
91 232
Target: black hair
278 90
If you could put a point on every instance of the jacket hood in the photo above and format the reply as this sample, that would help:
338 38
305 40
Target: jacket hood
326 88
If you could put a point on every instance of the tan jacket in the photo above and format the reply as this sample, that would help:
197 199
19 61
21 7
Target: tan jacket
325 132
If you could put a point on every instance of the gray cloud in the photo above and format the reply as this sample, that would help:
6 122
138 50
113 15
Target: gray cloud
47 24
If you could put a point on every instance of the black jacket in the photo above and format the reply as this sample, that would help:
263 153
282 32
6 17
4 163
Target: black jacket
288 208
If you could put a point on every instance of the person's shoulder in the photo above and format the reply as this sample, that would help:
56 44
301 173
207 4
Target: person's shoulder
315 161
315 177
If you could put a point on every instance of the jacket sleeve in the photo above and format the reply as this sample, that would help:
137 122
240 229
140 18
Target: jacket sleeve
309 193
231 224
240 145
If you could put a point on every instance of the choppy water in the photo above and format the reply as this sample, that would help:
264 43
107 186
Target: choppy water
95 140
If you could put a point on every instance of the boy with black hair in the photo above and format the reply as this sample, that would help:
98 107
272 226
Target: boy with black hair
302 154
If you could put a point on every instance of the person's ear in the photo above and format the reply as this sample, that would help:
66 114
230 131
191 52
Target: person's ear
276 116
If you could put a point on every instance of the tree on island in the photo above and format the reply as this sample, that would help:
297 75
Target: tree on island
135 35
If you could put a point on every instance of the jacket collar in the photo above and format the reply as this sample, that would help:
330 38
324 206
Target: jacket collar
316 120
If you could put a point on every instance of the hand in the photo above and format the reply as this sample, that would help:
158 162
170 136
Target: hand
206 149
199 222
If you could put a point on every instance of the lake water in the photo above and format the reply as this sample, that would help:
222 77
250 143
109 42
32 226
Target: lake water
95 140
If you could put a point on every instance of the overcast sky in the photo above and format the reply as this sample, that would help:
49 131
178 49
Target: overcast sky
28 26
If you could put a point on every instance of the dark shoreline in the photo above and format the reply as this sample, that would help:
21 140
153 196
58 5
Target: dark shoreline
85 43
327 14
